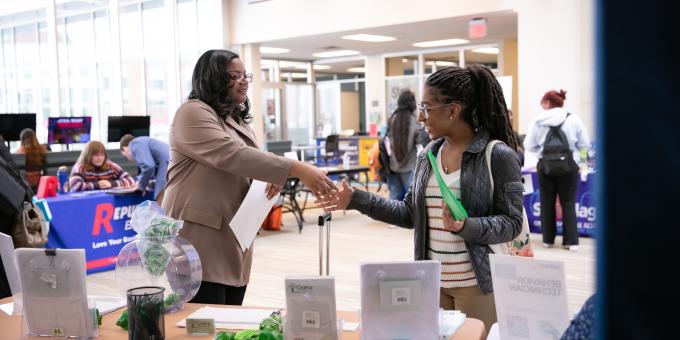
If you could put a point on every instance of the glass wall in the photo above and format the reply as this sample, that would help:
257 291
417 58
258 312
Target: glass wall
402 72
299 113
89 63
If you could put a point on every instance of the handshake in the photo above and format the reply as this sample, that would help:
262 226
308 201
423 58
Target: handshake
328 195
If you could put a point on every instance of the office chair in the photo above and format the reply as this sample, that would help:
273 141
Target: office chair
332 149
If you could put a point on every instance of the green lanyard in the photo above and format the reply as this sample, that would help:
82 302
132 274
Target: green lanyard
455 207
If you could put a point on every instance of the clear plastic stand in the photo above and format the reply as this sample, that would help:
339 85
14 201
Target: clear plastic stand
55 302
9 262
310 308
400 300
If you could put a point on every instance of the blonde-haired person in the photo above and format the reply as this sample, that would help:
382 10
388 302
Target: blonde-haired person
95 171
35 157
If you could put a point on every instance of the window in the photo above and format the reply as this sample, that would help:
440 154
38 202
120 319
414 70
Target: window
132 68
156 42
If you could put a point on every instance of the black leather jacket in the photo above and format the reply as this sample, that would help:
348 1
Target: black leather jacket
480 228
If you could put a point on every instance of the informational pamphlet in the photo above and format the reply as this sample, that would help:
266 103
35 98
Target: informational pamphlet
251 213
531 297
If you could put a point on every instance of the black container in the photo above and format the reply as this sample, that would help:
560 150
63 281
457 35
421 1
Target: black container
146 319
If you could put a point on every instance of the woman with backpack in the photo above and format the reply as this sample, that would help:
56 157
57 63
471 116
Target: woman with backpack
403 128
557 136
464 111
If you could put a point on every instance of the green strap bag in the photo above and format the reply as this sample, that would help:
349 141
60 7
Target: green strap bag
455 207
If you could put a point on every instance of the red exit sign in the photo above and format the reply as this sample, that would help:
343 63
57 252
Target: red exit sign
477 28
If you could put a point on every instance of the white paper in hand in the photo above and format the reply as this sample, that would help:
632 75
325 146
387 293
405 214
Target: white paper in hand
251 214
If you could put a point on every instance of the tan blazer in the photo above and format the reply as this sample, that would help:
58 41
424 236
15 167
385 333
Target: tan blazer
211 163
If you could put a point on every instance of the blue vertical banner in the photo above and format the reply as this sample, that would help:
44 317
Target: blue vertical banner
586 210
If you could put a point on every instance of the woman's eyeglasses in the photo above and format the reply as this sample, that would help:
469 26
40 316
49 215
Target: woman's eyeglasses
424 109
247 77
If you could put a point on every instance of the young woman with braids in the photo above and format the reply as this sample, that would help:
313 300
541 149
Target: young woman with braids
403 128
463 109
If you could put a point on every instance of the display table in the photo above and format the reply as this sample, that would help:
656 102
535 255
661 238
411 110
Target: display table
95 221
585 204
356 146
472 329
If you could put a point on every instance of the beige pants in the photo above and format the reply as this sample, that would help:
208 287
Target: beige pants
470 301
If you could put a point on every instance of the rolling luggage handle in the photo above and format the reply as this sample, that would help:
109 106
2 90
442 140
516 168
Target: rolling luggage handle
324 219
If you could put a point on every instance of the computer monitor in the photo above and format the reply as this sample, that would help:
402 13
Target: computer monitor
279 147
121 125
11 124
68 130
400 300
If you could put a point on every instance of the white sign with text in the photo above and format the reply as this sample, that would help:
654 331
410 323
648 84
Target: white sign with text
531 297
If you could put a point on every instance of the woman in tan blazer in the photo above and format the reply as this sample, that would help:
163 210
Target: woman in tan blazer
213 158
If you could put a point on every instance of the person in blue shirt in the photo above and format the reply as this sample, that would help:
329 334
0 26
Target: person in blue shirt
152 156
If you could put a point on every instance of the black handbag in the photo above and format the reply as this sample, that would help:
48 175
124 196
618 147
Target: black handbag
12 191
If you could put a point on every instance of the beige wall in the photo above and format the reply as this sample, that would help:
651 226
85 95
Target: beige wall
349 108
509 66
555 51
375 89
250 55
394 67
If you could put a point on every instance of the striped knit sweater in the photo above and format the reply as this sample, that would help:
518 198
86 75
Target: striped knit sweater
445 246
82 180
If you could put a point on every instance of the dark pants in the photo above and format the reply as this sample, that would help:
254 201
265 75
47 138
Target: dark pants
6 222
565 186
219 294
4 283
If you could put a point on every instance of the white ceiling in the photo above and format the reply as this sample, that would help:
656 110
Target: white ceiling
501 25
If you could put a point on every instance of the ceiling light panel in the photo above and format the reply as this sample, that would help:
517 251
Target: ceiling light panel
273 50
437 43
338 53
369 37
486 50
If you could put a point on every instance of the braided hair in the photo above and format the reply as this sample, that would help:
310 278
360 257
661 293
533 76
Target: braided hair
210 81
482 98
401 123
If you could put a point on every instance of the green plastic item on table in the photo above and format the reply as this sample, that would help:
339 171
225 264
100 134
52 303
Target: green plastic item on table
224 336
455 207
170 300
247 334
123 320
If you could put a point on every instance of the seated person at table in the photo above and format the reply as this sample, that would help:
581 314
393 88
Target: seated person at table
95 171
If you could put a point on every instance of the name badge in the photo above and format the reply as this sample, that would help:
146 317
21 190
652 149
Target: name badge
200 326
